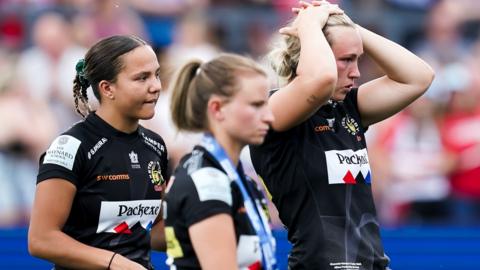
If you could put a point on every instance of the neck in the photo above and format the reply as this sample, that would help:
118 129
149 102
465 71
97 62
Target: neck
117 120
230 145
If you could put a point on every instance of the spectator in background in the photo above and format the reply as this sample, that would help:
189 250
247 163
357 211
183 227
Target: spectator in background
445 49
160 17
27 125
12 30
45 70
461 136
411 165
99 19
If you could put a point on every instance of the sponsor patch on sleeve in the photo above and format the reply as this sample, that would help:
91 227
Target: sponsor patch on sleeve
62 151
212 184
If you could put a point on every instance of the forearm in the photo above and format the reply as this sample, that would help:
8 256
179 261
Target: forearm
157 237
399 64
61 249
316 57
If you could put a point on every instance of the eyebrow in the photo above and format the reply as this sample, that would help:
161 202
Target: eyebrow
147 72
352 55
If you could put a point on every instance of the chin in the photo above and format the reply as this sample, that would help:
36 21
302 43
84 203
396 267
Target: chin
256 141
339 97
146 116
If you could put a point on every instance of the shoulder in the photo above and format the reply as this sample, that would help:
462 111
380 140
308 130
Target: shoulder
198 173
66 147
153 140
148 133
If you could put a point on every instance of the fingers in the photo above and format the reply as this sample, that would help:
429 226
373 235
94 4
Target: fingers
303 5
332 8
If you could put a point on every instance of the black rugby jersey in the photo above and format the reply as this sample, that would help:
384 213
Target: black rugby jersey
319 177
118 177
200 189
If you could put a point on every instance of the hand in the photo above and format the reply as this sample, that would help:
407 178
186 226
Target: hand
314 3
120 262
316 12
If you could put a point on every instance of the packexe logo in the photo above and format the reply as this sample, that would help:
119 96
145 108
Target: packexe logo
353 159
140 210
122 216
348 166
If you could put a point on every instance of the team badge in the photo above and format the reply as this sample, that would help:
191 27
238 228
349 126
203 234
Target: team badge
350 125
155 175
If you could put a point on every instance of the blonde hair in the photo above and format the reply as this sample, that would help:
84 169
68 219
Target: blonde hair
285 55
195 83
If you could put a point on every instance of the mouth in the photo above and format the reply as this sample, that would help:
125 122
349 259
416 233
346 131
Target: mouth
263 132
151 101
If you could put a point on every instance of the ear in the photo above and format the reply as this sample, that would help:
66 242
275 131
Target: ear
215 108
106 89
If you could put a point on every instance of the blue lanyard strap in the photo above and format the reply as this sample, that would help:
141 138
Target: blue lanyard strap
254 210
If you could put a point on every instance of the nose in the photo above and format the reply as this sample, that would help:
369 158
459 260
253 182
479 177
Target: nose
354 72
156 85
268 116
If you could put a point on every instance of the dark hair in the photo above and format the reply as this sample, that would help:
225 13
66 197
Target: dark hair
102 62
195 83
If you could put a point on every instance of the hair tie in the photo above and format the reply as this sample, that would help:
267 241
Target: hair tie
80 68
199 69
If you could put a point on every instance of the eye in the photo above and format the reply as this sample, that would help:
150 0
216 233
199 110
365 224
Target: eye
258 104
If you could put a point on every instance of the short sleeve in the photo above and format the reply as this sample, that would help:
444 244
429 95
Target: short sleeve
207 192
63 159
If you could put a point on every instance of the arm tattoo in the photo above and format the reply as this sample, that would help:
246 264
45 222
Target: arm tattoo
312 99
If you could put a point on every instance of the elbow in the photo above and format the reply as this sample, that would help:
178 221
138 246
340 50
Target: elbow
427 79
39 245
34 246
322 86
430 76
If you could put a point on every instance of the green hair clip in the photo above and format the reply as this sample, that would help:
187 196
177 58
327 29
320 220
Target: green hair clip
80 68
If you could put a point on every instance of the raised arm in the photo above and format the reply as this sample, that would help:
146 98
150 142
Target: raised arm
406 78
316 73
53 201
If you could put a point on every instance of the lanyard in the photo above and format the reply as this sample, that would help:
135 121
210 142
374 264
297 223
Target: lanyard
254 210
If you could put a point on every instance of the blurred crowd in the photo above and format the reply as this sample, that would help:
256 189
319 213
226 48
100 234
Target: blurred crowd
425 161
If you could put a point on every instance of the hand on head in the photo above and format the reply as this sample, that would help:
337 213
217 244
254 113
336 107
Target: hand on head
316 11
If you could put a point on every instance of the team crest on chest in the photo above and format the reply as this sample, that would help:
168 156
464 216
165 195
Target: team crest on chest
155 175
350 125
134 160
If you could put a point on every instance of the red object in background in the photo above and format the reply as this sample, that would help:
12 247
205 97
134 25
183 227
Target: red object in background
461 136
11 31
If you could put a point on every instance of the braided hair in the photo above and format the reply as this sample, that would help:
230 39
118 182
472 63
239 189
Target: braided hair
80 86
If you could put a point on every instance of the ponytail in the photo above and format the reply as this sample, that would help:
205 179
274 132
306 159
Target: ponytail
181 105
